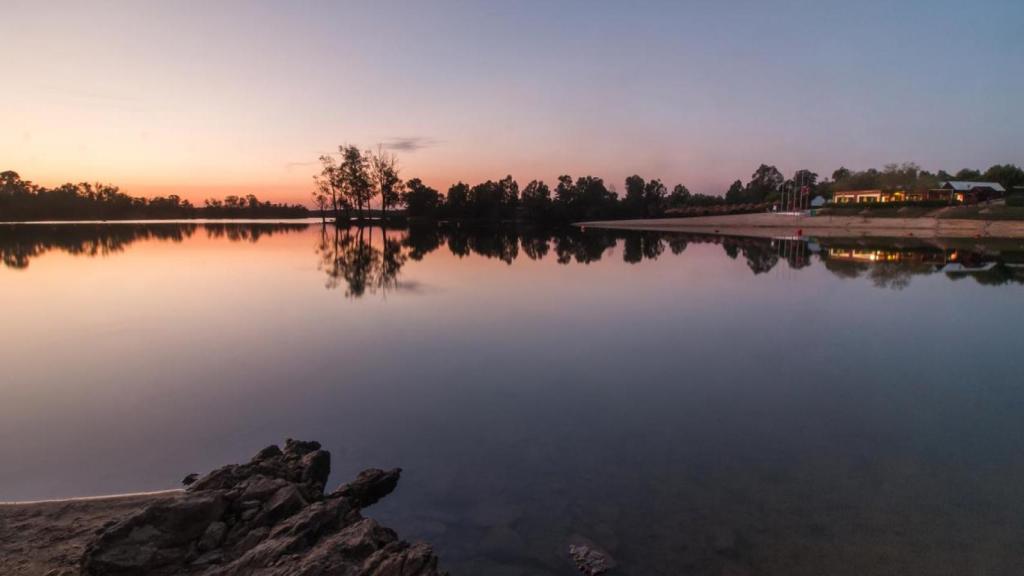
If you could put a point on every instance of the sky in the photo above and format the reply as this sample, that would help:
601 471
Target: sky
209 98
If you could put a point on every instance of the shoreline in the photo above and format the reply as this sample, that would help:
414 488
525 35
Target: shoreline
97 498
774 225
50 536
271 513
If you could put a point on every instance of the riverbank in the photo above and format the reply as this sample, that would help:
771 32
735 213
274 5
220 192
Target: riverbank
774 225
270 515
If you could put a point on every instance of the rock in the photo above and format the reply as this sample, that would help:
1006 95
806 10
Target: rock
285 502
260 487
213 536
190 479
369 486
267 516
590 559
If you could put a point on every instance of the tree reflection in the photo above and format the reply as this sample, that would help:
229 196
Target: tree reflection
21 243
370 260
355 259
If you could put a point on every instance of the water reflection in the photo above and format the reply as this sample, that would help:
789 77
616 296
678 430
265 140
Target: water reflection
369 260
352 257
21 243
695 404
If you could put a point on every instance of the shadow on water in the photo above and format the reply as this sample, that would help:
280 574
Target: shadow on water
369 260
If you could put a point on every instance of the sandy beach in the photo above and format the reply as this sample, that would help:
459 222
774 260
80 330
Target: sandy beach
48 538
768 225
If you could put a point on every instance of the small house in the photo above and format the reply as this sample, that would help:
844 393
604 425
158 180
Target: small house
865 196
967 192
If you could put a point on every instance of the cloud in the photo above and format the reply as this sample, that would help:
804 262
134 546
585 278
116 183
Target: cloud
409 144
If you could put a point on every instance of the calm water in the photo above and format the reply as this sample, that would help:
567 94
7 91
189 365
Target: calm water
695 405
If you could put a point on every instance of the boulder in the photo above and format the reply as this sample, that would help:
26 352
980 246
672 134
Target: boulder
369 486
267 516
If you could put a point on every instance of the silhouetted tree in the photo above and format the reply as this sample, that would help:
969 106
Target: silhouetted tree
634 199
354 177
536 201
457 201
384 176
421 201
654 198
679 197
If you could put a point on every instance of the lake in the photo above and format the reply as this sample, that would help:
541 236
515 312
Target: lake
692 404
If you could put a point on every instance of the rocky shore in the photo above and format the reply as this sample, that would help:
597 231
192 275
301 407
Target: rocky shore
270 516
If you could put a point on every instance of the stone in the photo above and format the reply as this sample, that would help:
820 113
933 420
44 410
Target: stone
285 502
590 559
260 487
268 516
190 479
213 536
369 486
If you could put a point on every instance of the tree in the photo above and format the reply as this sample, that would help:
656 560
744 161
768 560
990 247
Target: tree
803 186
679 197
384 176
508 196
968 174
735 194
635 195
1009 175
457 202
420 200
354 177
536 200
329 181
654 198
765 182
565 191
321 195
841 173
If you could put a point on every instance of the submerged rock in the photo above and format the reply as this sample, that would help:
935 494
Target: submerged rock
268 516
590 559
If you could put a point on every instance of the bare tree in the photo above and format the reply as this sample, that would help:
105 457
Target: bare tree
386 182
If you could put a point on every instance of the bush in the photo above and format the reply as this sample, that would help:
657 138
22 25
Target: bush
1015 200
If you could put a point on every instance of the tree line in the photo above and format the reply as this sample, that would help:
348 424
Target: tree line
348 186
767 184
22 200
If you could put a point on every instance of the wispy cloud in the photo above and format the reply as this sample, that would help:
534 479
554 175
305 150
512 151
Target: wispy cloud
409 144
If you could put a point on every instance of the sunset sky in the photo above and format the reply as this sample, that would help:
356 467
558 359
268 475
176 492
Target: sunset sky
207 98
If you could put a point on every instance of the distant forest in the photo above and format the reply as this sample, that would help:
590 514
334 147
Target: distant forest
348 186
21 200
